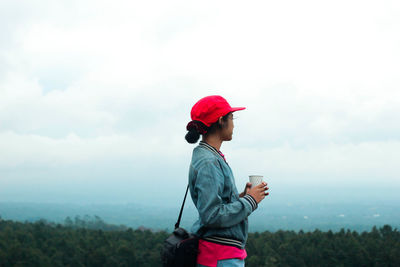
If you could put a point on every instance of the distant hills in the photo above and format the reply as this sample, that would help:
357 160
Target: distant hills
307 217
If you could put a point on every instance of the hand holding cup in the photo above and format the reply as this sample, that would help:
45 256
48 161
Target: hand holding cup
258 188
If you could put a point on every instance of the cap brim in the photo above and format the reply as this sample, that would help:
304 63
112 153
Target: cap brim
237 109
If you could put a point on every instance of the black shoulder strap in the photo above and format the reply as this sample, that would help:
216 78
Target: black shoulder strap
180 213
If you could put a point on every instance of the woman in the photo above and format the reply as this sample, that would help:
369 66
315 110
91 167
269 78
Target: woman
222 225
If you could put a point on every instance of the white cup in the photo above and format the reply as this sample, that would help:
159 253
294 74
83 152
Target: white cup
255 180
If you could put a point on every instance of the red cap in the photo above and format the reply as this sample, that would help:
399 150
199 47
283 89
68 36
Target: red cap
210 108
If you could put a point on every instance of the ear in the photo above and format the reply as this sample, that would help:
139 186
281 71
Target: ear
220 121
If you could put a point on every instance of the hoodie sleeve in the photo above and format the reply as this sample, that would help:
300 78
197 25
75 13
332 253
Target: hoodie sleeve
212 210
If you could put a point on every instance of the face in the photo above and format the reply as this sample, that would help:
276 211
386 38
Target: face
227 129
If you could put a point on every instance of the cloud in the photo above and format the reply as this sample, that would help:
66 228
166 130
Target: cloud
364 163
89 81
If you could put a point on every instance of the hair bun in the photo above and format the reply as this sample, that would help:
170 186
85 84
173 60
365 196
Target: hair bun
198 126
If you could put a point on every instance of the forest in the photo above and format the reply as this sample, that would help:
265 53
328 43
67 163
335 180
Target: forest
91 242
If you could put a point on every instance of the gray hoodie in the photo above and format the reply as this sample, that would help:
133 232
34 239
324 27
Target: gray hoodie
222 213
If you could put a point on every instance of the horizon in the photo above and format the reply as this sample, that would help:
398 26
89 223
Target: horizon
294 217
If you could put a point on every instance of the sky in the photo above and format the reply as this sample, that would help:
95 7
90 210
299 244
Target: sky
95 97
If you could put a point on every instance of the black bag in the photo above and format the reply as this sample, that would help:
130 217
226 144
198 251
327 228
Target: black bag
180 249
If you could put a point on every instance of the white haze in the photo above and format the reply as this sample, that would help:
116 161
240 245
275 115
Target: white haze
95 97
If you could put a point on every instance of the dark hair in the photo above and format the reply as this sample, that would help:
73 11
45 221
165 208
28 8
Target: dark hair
195 128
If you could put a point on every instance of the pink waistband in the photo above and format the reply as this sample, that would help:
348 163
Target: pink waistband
210 253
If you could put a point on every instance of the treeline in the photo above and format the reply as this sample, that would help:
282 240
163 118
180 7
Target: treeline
91 242
379 247
74 244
